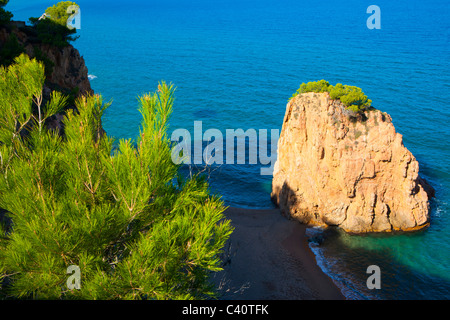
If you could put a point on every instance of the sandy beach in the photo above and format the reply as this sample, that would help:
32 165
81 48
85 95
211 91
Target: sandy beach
268 258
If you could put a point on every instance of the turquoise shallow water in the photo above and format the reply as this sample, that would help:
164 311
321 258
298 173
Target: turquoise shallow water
235 64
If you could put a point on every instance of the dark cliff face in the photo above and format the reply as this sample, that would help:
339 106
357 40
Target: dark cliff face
66 70
358 175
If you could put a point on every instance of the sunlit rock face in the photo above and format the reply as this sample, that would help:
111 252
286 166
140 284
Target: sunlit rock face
335 168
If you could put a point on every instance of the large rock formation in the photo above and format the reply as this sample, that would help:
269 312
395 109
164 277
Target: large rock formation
334 169
69 70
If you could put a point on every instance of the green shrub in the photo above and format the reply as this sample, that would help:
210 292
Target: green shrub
337 91
133 225
53 29
5 16
351 97
318 86
58 12
10 50
53 33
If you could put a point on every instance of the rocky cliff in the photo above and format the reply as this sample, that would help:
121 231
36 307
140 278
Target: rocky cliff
66 70
334 169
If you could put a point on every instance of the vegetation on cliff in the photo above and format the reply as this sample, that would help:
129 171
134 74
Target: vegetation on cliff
53 29
10 49
53 33
351 97
131 224
58 13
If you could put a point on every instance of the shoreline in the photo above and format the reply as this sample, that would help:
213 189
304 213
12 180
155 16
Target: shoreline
268 258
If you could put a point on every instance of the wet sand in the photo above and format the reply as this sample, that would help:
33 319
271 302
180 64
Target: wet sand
268 258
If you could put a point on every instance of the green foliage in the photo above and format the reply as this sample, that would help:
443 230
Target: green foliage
54 33
352 97
5 16
53 29
10 50
135 227
317 86
58 12
337 91
20 89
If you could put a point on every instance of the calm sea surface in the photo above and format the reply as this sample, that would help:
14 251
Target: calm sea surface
236 63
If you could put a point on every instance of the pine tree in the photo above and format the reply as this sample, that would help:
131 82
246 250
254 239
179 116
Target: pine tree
58 12
351 97
53 29
134 227
5 16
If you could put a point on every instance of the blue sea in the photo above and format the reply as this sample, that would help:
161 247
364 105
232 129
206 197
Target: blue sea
236 63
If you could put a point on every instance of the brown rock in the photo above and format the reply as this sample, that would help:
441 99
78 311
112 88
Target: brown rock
69 70
333 169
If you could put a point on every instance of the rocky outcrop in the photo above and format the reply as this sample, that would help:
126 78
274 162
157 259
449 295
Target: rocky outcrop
335 169
69 73
66 70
